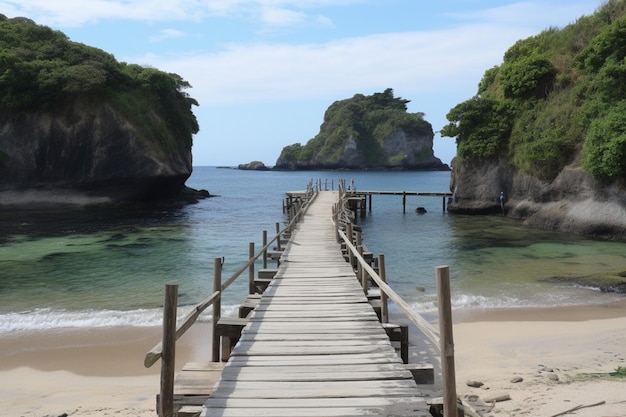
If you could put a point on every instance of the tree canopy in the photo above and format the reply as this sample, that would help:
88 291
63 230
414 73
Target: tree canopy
40 69
556 97
368 120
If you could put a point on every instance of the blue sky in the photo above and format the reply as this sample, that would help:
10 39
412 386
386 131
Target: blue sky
264 71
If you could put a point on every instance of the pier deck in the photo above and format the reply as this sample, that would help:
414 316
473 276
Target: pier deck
314 346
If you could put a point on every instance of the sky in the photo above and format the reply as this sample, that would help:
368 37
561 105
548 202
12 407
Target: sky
265 71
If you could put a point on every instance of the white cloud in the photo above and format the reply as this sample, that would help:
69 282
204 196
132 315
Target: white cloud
533 14
281 17
167 34
68 13
415 61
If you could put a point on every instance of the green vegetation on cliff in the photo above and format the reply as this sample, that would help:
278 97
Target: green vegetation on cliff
41 70
361 124
556 97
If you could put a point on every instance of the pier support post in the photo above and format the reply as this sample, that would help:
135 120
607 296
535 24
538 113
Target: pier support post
264 249
278 244
217 308
251 269
384 306
403 202
446 342
350 237
361 272
168 355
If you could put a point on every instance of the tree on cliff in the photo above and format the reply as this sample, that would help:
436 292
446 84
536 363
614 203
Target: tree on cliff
366 132
41 69
558 97
74 118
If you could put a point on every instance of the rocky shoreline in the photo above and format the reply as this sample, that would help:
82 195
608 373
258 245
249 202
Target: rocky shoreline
574 202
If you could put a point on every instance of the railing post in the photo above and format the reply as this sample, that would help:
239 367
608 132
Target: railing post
446 342
251 289
349 235
361 272
264 248
384 307
404 204
168 355
278 244
336 217
217 308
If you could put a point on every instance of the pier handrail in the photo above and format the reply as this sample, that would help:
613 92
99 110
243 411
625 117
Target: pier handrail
341 216
155 353
419 321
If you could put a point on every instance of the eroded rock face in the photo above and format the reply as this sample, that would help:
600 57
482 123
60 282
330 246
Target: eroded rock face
573 202
88 154
399 151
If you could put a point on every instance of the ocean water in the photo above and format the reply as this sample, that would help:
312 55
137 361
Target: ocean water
95 267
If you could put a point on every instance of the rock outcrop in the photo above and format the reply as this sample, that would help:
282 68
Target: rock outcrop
79 127
91 154
366 132
253 166
573 202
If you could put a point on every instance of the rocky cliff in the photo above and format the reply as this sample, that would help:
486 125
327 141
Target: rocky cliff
92 154
547 128
366 132
573 202
78 127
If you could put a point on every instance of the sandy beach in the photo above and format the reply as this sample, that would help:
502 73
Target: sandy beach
562 358
78 372
562 355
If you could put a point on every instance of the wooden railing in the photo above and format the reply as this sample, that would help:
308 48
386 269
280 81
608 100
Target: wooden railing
166 349
343 218
441 338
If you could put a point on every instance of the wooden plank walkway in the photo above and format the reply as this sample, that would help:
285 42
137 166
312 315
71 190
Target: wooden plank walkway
314 345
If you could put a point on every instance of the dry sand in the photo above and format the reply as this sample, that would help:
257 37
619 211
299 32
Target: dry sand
96 372
100 372
563 356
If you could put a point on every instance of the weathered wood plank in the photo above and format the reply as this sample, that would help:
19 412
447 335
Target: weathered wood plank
310 412
326 389
302 374
313 345
408 406
315 314
317 360
270 350
284 337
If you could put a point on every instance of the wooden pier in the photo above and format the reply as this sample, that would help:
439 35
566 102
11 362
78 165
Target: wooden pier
314 346
360 201
310 339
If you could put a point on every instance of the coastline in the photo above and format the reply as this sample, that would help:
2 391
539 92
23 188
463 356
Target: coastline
99 372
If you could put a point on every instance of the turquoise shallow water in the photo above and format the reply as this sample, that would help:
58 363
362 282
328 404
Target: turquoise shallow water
103 268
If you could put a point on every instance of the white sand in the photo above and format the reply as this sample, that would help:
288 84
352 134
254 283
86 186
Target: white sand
101 373
97 372
555 357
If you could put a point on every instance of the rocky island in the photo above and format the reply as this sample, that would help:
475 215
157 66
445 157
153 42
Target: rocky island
367 133
78 127
547 129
